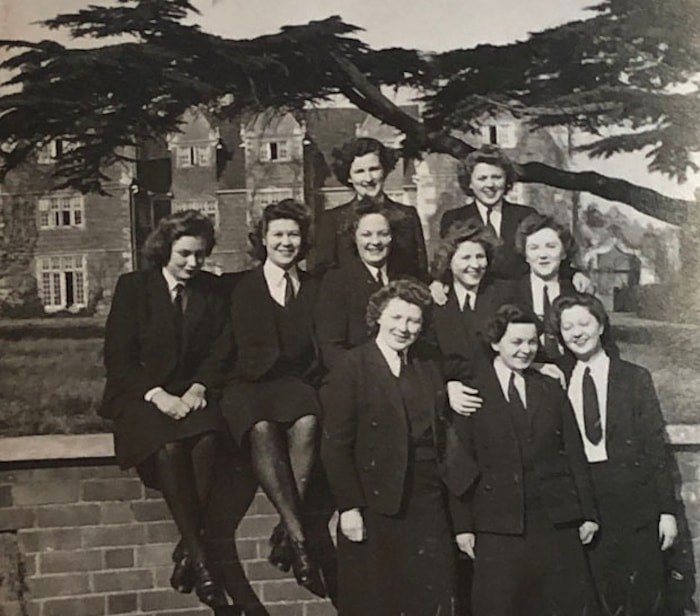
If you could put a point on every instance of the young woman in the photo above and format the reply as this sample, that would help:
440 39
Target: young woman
619 419
270 402
529 503
382 446
345 291
165 345
363 164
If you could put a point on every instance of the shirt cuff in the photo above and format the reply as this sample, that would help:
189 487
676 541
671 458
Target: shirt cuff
148 397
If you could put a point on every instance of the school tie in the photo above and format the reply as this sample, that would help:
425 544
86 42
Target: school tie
489 224
380 278
179 301
288 289
546 303
591 411
514 395
551 346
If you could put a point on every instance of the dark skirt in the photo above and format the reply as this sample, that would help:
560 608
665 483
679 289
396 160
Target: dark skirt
541 573
406 566
141 430
280 400
626 562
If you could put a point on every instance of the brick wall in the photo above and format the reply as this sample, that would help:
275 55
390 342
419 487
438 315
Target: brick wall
82 538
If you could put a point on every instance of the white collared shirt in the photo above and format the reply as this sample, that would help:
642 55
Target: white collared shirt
600 369
463 295
537 286
503 373
172 283
373 271
496 215
276 284
393 358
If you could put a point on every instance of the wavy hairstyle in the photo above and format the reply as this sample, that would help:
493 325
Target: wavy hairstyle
158 245
597 310
504 316
536 222
490 155
350 150
470 230
407 289
287 209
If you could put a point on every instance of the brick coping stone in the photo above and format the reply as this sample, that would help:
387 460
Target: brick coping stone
72 447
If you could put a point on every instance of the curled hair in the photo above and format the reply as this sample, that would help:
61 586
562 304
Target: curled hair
158 246
594 306
350 150
287 209
407 289
504 316
470 230
536 222
490 155
365 207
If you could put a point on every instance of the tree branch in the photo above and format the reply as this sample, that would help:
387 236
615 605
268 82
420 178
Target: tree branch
368 97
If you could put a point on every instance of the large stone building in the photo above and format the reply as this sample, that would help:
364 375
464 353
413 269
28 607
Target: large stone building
68 249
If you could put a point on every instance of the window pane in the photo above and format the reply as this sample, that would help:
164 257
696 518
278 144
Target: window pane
204 156
79 281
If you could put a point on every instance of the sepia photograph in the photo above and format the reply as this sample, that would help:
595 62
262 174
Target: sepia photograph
347 307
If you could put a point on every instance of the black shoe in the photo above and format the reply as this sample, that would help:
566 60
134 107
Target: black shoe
281 555
182 578
208 591
305 571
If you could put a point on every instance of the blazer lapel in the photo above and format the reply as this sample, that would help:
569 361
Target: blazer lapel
162 313
194 311
385 382
616 399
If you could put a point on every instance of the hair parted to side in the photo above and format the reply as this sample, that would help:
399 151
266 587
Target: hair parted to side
504 316
407 289
490 155
287 209
470 230
536 222
350 150
158 245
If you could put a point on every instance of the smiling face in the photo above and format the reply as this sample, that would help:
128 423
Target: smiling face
282 242
544 253
488 184
518 346
367 175
399 324
373 239
581 332
468 264
187 256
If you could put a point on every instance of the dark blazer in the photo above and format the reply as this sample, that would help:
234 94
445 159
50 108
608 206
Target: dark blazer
255 338
365 443
141 345
641 486
341 308
463 333
493 478
335 245
506 262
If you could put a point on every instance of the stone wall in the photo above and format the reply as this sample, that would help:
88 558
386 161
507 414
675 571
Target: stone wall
79 537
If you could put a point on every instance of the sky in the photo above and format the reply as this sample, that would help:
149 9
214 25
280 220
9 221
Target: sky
432 25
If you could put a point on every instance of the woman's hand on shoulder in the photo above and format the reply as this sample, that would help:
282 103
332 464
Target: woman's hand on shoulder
463 400
587 531
438 291
170 405
466 543
352 525
582 283
668 530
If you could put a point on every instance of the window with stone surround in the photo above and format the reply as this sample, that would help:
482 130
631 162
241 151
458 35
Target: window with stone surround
62 281
208 206
61 211
274 151
193 156
502 134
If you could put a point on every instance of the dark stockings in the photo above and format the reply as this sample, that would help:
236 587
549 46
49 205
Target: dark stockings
185 469
282 460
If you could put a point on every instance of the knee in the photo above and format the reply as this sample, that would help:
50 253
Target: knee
170 451
263 428
306 425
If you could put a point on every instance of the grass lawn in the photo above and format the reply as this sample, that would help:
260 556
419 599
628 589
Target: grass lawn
51 374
